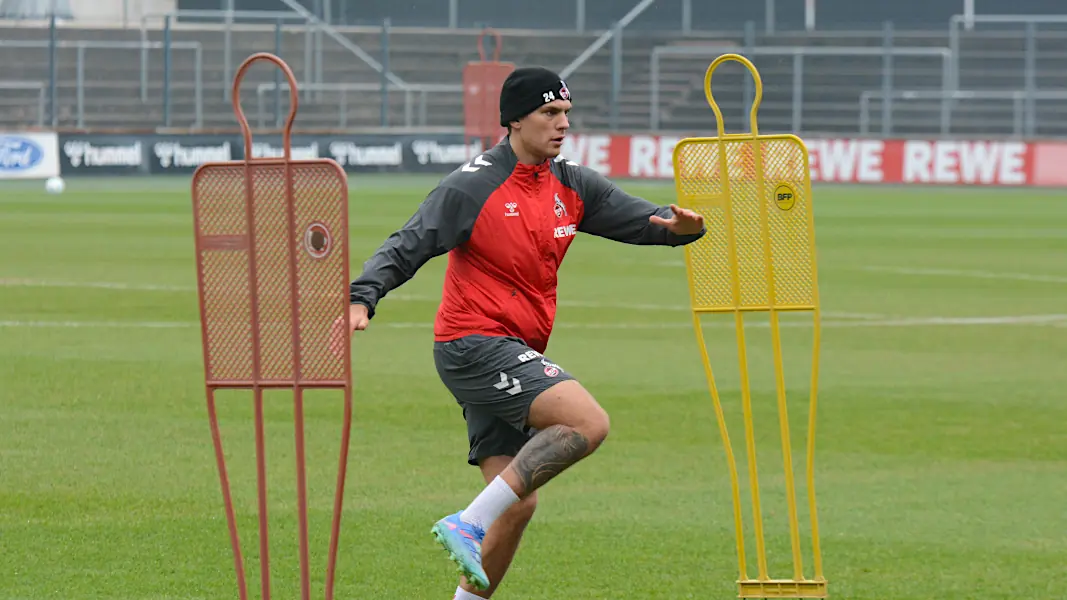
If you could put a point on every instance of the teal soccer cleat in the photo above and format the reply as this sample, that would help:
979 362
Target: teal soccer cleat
464 544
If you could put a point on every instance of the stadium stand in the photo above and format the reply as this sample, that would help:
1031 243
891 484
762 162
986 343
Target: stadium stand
989 59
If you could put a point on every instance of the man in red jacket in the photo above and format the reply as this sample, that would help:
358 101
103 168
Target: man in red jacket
506 219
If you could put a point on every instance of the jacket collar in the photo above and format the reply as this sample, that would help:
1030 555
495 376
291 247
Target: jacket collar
520 169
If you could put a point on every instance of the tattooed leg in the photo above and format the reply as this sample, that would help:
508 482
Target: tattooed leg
572 425
548 454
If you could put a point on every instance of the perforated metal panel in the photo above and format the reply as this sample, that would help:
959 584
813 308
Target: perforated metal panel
758 250
272 277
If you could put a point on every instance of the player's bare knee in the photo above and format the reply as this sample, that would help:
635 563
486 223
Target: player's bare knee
594 427
570 405
600 429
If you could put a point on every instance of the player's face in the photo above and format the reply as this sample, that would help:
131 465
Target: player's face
543 130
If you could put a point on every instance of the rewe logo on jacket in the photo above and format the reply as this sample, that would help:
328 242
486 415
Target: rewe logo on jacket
566 231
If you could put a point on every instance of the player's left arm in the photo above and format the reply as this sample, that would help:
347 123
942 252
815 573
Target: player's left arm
614 214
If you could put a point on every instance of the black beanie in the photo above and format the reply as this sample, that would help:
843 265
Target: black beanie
526 89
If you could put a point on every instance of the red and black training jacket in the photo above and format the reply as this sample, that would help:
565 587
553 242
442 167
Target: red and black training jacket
506 227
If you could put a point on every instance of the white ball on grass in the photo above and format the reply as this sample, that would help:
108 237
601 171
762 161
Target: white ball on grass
55 185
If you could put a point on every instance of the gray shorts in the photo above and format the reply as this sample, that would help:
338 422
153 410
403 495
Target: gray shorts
495 380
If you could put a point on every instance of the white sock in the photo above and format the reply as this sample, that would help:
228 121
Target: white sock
490 504
462 594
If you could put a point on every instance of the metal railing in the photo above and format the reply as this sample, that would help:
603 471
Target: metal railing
412 93
1029 54
798 53
313 28
581 15
347 44
615 32
276 17
41 88
1023 121
83 45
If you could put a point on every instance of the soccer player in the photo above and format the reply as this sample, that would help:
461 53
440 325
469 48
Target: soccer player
506 219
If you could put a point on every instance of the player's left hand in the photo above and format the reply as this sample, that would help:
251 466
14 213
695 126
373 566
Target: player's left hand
684 221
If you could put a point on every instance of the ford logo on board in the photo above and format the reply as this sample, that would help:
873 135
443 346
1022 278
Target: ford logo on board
19 154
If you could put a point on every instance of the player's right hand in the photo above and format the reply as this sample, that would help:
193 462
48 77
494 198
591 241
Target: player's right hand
357 319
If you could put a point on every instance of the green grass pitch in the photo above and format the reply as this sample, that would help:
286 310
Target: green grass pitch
940 440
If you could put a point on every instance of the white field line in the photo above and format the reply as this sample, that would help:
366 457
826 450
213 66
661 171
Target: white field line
1058 320
968 274
100 324
139 287
103 285
1052 319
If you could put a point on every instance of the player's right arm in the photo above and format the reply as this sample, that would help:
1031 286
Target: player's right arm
443 221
